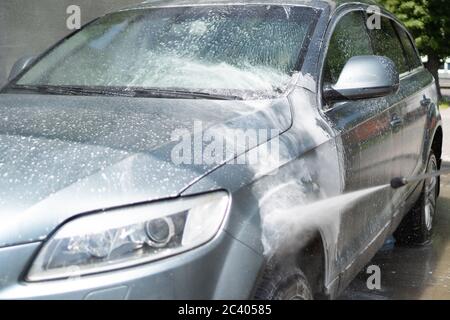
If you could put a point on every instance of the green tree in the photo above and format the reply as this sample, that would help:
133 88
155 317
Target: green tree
429 23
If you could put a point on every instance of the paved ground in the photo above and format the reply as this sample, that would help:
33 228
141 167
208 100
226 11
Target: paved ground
446 126
415 273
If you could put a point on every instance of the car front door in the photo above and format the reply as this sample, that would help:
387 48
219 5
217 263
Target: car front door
385 42
365 137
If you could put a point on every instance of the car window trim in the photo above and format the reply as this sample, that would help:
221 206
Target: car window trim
396 25
412 43
399 39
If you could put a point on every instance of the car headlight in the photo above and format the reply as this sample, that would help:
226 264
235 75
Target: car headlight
125 237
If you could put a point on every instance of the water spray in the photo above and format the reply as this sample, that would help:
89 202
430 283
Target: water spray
399 182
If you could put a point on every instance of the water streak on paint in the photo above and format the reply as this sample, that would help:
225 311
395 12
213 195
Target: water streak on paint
282 228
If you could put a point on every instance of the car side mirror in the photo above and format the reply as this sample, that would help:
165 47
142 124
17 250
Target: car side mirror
364 77
20 65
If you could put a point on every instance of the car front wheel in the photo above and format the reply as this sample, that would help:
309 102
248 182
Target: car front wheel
279 284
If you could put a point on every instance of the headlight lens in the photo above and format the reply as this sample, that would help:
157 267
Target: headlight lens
126 237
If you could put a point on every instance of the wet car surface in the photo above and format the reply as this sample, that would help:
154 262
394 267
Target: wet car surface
311 214
413 272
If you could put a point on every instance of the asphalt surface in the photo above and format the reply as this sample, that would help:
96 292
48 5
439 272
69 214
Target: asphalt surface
415 272
446 126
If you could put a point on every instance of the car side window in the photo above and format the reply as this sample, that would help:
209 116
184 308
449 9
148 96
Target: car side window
411 53
387 43
349 39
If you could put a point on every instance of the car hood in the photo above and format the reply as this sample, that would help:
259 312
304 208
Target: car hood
61 156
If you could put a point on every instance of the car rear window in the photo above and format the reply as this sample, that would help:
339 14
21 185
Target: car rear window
411 53
386 43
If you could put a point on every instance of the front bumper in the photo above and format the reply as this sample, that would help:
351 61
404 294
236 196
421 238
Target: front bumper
222 269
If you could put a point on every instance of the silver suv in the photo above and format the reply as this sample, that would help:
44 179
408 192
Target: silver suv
107 191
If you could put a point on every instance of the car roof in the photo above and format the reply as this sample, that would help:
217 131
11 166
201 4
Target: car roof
332 4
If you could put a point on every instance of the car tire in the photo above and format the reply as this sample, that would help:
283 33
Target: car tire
277 284
417 226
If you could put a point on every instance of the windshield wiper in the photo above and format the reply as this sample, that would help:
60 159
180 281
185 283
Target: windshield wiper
65 90
183 94
34 88
125 92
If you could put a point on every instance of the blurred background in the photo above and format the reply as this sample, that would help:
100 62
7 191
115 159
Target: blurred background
429 23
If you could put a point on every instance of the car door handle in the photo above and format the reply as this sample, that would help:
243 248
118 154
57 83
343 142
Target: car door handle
396 121
425 101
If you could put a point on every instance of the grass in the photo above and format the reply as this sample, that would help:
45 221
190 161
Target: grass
445 103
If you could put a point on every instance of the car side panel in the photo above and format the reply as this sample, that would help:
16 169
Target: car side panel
414 110
421 121
367 148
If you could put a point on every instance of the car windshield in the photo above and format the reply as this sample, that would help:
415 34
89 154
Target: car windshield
201 48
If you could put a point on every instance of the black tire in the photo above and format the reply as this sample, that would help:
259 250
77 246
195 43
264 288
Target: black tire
417 226
277 284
